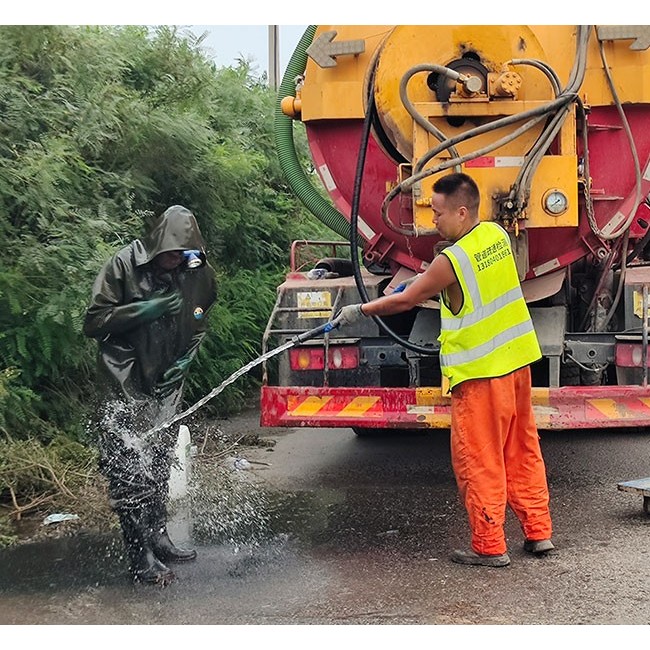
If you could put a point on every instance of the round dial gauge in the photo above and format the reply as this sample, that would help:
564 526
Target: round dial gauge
555 202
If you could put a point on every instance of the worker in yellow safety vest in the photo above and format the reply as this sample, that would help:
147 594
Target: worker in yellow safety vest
487 343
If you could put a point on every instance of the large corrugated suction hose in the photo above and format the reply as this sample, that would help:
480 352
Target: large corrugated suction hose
286 149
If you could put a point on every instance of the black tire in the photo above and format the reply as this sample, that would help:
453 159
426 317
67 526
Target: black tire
368 432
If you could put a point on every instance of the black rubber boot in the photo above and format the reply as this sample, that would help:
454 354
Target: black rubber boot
162 546
145 566
166 551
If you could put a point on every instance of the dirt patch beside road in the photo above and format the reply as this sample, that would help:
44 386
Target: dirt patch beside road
216 442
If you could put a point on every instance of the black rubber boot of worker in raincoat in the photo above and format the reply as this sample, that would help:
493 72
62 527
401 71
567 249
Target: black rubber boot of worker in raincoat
164 549
149 316
144 564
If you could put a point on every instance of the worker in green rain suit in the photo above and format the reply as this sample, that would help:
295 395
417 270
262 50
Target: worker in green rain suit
148 313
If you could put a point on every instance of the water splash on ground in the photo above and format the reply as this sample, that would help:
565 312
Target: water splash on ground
227 506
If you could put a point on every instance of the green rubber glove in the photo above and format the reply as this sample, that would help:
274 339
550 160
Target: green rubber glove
154 308
174 376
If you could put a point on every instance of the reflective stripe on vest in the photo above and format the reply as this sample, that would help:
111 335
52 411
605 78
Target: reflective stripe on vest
492 334
482 350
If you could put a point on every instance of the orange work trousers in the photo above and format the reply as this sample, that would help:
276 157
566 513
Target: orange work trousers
497 459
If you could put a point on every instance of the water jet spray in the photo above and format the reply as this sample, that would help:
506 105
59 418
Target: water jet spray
297 339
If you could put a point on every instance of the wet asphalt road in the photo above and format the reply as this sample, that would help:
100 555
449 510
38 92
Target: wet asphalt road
347 530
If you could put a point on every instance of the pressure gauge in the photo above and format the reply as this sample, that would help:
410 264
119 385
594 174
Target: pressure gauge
555 202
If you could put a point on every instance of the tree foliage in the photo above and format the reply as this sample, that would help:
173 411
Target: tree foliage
102 129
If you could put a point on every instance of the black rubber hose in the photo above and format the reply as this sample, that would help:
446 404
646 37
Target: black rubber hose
354 219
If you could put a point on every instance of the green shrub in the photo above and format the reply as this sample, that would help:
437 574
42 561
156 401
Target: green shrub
102 129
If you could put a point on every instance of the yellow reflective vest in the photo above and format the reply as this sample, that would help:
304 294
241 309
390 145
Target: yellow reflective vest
492 334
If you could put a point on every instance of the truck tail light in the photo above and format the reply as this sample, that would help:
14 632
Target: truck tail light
311 358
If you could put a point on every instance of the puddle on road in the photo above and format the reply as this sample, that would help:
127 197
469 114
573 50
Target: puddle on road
237 516
258 527
63 563
350 519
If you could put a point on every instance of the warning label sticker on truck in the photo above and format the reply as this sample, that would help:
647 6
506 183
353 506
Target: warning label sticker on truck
315 301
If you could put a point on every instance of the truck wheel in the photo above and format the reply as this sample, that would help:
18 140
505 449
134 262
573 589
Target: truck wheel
367 432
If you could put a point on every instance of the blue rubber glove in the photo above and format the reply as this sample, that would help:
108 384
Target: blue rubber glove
400 287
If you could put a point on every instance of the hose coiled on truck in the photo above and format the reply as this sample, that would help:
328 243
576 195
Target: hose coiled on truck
285 146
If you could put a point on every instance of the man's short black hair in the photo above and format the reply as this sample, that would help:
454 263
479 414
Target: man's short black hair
461 187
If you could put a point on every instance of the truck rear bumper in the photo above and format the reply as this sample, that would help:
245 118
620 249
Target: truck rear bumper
568 407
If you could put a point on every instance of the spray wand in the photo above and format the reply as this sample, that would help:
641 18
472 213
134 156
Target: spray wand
297 339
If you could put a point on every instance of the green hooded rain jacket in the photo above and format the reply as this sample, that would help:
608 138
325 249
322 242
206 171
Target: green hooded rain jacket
134 354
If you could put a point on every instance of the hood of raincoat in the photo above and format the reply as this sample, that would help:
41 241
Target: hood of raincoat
175 230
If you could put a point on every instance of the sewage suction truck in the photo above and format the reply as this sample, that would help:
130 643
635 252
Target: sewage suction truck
553 124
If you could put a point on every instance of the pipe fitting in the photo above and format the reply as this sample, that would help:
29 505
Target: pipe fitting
504 84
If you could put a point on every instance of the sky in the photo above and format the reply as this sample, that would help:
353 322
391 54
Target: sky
228 43
257 14
240 29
